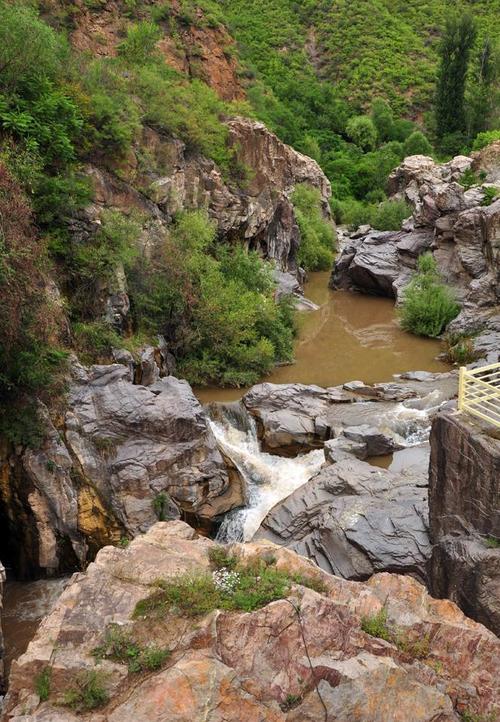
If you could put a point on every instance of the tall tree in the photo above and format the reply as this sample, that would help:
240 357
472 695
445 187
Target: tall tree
482 95
455 49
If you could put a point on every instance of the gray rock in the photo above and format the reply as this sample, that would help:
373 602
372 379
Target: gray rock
343 448
464 502
134 442
375 442
354 519
461 234
467 571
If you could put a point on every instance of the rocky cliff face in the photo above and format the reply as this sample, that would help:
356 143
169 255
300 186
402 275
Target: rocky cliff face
449 221
255 211
306 657
464 500
124 455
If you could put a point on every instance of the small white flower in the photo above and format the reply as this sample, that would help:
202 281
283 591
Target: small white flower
226 580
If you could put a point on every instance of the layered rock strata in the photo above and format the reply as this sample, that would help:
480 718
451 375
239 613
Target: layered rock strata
464 499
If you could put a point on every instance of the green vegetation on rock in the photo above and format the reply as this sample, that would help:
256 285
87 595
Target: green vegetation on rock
233 585
428 305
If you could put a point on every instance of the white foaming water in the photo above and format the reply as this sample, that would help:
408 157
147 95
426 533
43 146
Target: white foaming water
272 478
269 478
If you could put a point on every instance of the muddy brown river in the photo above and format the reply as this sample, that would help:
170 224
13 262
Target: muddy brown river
351 336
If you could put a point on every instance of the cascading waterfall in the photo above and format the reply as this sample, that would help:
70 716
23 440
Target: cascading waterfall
271 478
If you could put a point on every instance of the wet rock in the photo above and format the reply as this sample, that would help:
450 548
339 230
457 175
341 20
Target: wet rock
375 442
291 417
464 500
228 667
354 519
343 448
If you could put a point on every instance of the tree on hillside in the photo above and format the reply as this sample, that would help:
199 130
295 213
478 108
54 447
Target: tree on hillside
455 49
482 97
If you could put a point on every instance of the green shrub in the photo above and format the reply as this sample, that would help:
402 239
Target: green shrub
88 691
490 194
428 305
139 45
460 348
389 215
376 625
317 235
492 542
42 684
362 131
417 144
214 305
468 179
485 138
120 646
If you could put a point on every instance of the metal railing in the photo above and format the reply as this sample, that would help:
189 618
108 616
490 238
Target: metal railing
479 392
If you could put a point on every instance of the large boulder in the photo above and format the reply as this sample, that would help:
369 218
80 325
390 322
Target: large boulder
308 656
124 455
464 501
354 519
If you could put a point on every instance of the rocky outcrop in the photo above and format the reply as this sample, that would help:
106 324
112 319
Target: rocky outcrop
191 43
124 455
296 659
450 222
255 211
464 500
292 418
354 520
2 584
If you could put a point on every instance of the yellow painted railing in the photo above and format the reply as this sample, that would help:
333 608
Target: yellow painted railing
479 392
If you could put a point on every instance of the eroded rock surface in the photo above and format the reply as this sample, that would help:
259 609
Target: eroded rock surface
354 519
261 666
465 516
452 224
125 454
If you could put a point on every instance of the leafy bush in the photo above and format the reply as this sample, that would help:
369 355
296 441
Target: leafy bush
215 306
317 234
428 305
31 362
139 45
417 144
362 131
483 139
389 215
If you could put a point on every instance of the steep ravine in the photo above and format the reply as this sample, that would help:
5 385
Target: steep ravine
295 456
